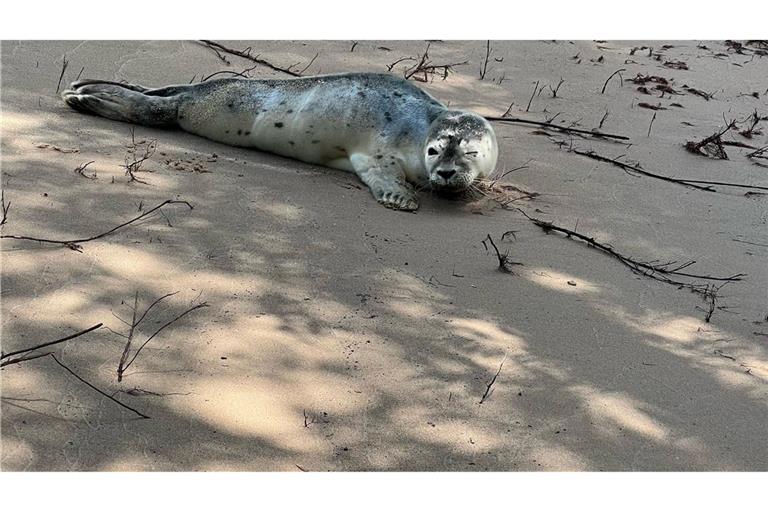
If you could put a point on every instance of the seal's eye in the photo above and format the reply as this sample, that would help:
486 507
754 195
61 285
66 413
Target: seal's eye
432 151
471 153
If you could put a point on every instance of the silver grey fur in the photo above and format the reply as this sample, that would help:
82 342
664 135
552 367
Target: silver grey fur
383 128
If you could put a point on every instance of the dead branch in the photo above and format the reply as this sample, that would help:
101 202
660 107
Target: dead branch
602 120
565 129
64 64
121 404
617 72
426 68
490 384
242 73
711 146
75 244
760 153
706 95
246 55
535 87
6 207
398 61
754 119
132 164
484 69
557 88
310 63
80 169
665 272
505 264
637 169
710 296
682 181
48 344
125 363
23 358
650 125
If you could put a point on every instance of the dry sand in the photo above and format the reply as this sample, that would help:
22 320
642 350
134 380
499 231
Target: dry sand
376 329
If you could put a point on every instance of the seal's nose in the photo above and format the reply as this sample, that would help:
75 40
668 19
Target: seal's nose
446 175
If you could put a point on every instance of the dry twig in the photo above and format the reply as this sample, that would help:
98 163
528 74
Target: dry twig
490 384
484 69
47 344
505 264
557 88
121 404
617 72
80 169
711 146
664 272
75 244
424 68
566 129
125 363
5 206
247 55
698 184
64 64
243 73
535 87
132 163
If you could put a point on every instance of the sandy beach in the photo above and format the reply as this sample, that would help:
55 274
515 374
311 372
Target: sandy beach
342 336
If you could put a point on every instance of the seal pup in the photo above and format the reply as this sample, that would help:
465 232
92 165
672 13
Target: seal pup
386 130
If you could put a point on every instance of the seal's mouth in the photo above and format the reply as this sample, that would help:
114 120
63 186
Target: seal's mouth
450 189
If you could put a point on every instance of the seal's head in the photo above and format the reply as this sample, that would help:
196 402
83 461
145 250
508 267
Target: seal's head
460 148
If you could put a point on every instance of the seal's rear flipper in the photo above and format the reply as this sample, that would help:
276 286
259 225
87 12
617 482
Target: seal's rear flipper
122 102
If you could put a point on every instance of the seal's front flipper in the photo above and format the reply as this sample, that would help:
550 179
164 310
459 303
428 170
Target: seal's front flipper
122 102
387 185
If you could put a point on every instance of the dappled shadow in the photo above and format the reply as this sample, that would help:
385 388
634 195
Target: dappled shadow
343 336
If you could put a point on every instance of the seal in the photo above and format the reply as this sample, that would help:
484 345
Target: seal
389 132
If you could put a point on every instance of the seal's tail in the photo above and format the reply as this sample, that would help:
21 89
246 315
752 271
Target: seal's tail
125 102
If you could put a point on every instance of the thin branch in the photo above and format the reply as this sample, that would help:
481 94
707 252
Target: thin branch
505 263
637 169
138 351
23 358
64 64
650 125
484 69
310 63
49 343
660 272
246 55
505 119
490 384
617 72
129 338
234 73
6 207
532 95
74 244
711 146
602 120
133 167
398 61
121 404
554 91
427 68
80 169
